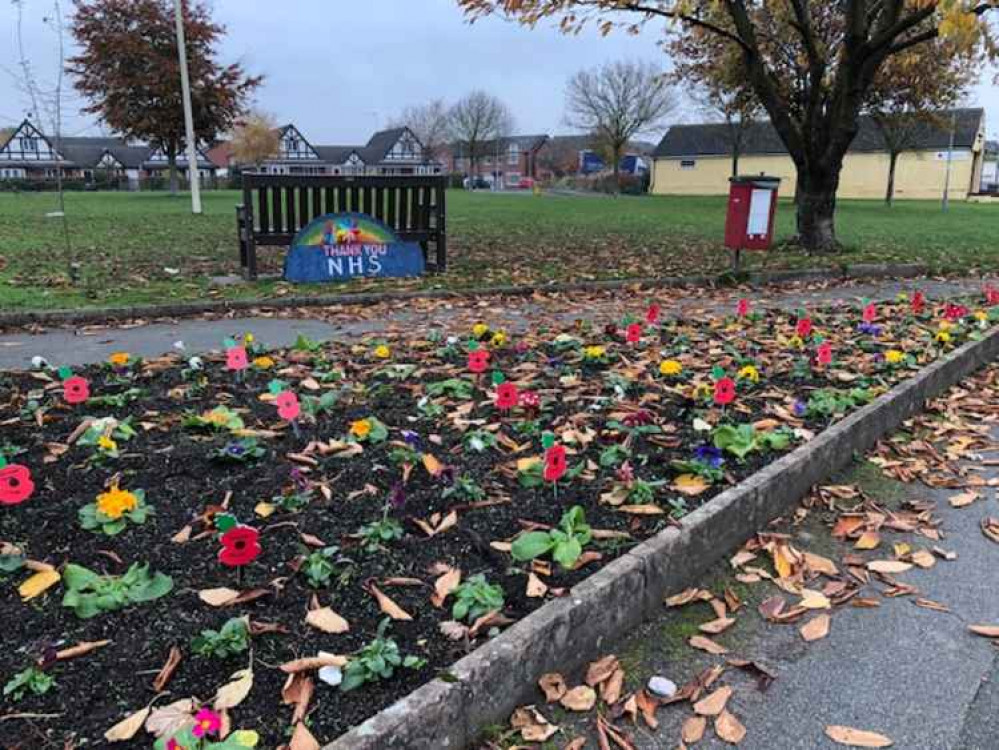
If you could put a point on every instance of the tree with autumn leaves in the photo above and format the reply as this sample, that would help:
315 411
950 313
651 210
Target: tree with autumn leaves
811 64
129 71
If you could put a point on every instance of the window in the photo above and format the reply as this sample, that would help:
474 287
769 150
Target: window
688 163
513 154
29 144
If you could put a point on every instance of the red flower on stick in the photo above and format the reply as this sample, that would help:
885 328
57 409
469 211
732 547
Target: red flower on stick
288 406
955 312
652 315
918 302
825 353
991 296
15 484
742 308
236 359
634 333
804 328
240 546
555 463
478 361
724 391
506 396
870 312
75 390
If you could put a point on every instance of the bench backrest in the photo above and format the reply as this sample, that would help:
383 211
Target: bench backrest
280 205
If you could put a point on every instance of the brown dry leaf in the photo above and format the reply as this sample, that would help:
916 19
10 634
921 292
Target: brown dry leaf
532 725
647 705
577 744
553 686
39 583
642 510
388 606
326 620
729 728
313 662
693 729
610 690
536 588
171 719
964 499
166 673
714 703
128 727
302 739
989 631
714 627
581 698
814 600
816 628
80 649
820 564
888 566
687 596
868 540
235 691
990 527
217 597
601 669
923 558
690 484
444 585
432 465
706 644
856 737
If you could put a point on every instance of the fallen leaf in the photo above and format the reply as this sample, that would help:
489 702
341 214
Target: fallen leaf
80 649
816 628
234 692
388 606
687 596
990 527
729 728
326 620
714 627
610 690
444 585
581 698
432 465
532 725
868 540
989 631
553 686
128 727
693 728
888 566
714 703
601 669
536 588
820 564
313 662
964 499
39 583
171 719
166 673
690 484
814 600
302 739
856 737
706 644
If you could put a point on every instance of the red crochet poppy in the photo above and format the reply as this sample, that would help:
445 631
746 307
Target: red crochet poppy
804 328
478 360
742 308
955 312
634 333
825 354
652 315
75 390
919 301
724 391
287 405
240 546
555 463
506 396
991 296
870 312
15 484
236 359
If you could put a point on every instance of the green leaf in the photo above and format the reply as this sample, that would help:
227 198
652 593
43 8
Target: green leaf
531 545
566 553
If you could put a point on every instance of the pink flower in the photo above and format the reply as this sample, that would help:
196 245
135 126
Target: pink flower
804 328
955 312
825 353
724 391
206 721
870 312
478 361
287 405
652 315
529 400
75 390
236 359
634 333
172 744
742 308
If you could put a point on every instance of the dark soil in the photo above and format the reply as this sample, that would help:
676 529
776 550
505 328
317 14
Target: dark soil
173 465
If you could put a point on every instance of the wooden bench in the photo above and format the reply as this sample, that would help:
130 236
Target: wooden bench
276 207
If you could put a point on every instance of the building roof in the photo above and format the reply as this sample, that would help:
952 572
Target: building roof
220 154
523 143
712 139
339 154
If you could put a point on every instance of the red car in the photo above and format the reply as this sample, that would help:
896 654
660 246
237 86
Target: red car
526 183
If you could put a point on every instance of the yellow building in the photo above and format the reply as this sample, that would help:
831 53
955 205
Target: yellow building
697 160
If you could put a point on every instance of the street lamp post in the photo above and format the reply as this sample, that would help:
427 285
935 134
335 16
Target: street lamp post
193 173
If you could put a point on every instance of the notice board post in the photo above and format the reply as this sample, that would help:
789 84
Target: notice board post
752 207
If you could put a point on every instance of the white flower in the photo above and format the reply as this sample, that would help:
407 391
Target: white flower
179 346
39 363
195 363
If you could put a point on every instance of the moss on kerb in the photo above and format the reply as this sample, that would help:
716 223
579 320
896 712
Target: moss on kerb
872 481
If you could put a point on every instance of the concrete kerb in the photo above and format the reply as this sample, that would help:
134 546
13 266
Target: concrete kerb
190 309
485 686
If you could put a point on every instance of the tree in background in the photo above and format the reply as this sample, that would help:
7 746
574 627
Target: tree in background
255 139
128 69
910 91
476 119
811 64
429 122
616 102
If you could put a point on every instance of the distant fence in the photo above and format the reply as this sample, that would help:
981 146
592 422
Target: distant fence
116 184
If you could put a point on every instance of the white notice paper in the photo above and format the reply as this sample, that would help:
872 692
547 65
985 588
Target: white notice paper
759 213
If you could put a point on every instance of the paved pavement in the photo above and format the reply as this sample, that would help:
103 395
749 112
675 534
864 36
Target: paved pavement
913 674
93 344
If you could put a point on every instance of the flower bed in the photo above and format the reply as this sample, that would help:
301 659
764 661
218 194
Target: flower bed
247 540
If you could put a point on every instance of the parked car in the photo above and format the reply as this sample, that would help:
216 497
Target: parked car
478 183
526 183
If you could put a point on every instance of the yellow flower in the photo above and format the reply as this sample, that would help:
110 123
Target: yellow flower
981 316
382 351
943 337
499 339
893 356
248 338
795 342
106 444
115 503
263 363
702 390
217 417
594 352
479 330
945 325
670 367
361 428
120 359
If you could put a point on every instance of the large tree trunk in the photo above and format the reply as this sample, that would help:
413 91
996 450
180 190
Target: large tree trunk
171 152
890 191
816 210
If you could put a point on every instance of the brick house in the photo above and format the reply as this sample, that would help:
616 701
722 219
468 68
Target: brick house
506 160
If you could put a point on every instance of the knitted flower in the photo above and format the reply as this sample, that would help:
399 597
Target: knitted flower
75 390
15 484
724 391
361 428
478 361
670 367
116 502
893 356
240 546
506 396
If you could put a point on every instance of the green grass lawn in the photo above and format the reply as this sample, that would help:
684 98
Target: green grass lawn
131 248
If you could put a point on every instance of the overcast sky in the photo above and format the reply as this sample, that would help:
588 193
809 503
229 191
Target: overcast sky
340 69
